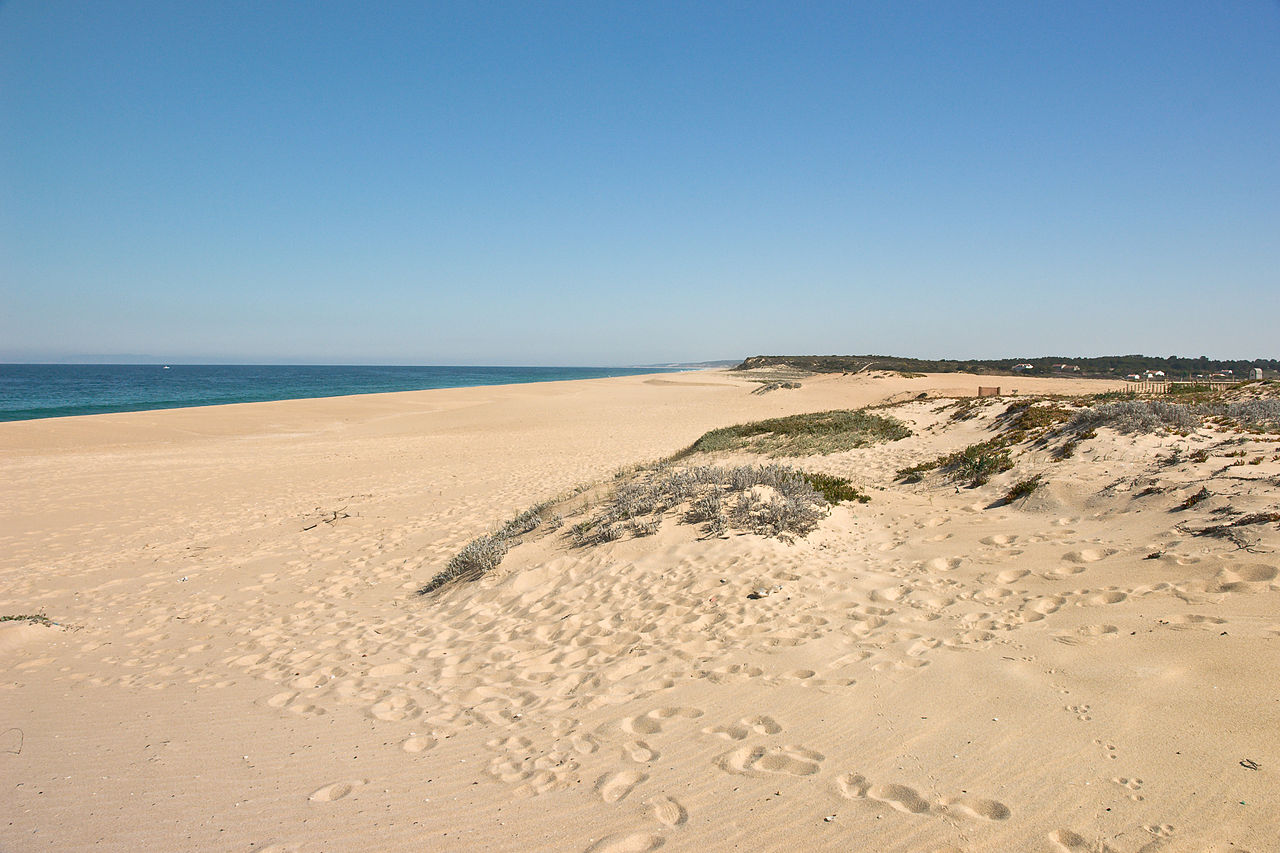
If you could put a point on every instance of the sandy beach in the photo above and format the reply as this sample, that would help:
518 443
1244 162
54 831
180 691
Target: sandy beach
236 656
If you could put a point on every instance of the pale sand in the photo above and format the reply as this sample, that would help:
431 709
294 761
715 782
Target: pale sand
250 668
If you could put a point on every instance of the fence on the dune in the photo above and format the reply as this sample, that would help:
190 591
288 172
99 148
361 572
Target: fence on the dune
1177 387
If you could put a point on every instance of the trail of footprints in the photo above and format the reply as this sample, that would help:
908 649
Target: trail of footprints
545 654
854 786
549 654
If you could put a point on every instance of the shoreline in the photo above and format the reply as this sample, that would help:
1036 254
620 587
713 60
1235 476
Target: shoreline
449 378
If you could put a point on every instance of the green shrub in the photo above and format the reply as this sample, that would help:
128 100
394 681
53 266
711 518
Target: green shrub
484 553
1022 489
916 473
835 489
803 435
32 618
978 463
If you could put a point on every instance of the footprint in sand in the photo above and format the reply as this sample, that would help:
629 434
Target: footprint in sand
639 751
854 786
395 708
650 722
624 842
976 807
1257 576
667 811
613 787
418 743
1064 572
1086 634
1045 606
389 669
584 744
1088 555
762 761
1067 841
744 727
900 797
336 790
1192 620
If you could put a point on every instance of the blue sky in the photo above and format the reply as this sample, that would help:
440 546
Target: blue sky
617 183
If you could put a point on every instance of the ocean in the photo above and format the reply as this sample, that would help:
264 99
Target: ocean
30 391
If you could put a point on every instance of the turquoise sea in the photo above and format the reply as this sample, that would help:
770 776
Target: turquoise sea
29 391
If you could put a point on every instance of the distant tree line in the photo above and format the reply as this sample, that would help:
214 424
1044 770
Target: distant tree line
1107 366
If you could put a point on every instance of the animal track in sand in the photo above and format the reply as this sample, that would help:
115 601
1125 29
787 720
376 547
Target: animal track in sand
760 761
1133 785
613 787
1110 749
336 790
650 722
1081 712
744 727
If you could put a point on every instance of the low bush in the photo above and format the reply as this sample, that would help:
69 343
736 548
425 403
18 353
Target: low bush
484 553
803 435
772 500
978 463
1202 495
1141 416
1022 488
835 489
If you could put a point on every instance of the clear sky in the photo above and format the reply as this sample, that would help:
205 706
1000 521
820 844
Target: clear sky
635 182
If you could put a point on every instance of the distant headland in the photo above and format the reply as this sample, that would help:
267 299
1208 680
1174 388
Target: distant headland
1107 366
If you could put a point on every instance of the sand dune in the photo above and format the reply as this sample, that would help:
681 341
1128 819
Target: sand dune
241 660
